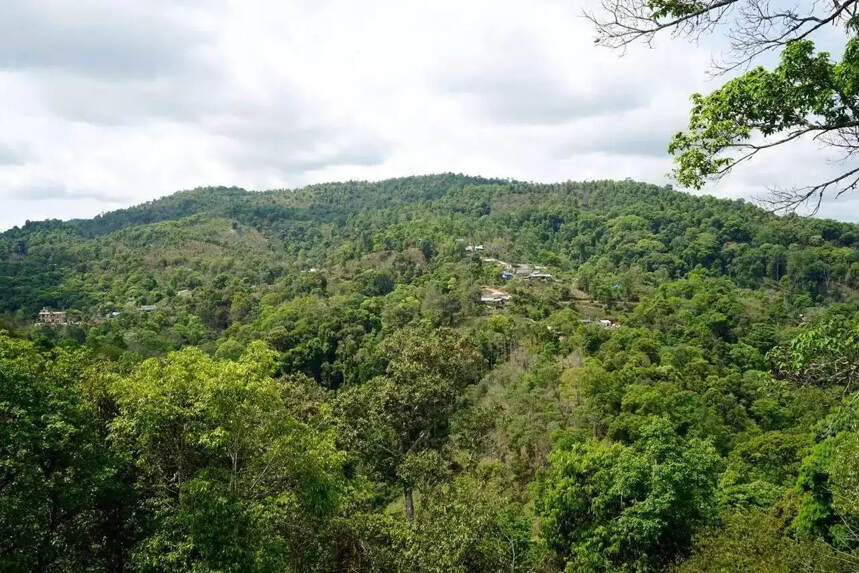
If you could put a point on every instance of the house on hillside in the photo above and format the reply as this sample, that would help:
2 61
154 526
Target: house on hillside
540 275
57 317
604 322
495 297
148 308
474 248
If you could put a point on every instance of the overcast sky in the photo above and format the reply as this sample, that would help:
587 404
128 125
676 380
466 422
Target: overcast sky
107 103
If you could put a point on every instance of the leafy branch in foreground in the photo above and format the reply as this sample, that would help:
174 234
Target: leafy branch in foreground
806 97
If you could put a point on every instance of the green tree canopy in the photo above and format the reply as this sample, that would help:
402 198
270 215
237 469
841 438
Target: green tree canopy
234 480
609 507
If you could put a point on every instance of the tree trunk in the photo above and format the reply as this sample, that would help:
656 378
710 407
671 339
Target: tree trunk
410 504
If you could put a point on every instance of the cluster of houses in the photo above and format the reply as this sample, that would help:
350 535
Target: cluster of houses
522 270
497 297
527 272
49 317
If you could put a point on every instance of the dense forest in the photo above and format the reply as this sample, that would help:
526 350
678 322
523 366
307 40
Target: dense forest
440 373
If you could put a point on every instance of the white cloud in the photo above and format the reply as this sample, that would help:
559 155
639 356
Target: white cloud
53 190
114 102
515 81
14 154
103 38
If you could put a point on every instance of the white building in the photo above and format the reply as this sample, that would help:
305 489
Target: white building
53 317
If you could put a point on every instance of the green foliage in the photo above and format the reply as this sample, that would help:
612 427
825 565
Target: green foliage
397 419
609 506
62 499
829 486
763 469
272 381
806 92
232 479
826 354
755 540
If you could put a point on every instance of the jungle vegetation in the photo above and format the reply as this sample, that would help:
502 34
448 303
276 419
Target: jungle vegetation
307 380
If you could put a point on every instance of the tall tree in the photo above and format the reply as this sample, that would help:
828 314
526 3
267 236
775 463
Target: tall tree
399 421
611 507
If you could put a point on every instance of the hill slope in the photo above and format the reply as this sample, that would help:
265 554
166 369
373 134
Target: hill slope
610 226
430 373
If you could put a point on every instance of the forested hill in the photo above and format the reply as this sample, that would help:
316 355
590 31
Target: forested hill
439 373
639 233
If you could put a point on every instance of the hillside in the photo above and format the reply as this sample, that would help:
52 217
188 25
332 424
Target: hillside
628 230
431 373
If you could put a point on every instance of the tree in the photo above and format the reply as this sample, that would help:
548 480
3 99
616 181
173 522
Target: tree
468 526
806 96
233 479
828 481
755 540
608 507
829 488
824 355
399 420
55 468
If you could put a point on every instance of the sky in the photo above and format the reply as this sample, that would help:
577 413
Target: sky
109 103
